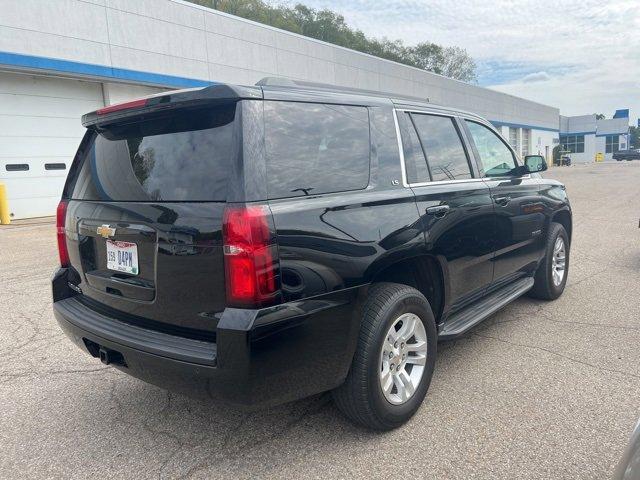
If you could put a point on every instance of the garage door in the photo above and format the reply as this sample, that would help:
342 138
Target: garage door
40 131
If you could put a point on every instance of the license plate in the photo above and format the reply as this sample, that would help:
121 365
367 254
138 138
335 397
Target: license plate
122 256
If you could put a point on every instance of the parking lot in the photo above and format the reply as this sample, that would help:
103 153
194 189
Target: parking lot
540 390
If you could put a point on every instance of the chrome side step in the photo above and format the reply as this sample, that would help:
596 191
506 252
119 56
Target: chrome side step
469 317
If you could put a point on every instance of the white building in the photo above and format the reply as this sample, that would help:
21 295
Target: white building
62 58
584 137
528 140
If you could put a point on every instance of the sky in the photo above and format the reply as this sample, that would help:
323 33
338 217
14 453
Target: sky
580 56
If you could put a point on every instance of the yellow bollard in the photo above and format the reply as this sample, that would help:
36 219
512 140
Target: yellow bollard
5 218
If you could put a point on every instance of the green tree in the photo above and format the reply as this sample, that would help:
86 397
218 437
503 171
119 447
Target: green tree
329 26
458 64
634 137
600 116
428 56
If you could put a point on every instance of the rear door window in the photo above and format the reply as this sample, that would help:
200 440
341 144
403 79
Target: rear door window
446 156
182 156
315 148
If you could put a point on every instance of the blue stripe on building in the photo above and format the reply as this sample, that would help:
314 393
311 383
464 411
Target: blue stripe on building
98 71
577 133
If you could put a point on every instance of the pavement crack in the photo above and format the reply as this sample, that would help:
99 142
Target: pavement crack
313 409
571 359
7 377
540 313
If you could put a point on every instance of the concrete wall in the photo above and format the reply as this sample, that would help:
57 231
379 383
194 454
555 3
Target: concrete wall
589 154
613 125
595 132
119 92
541 142
172 43
582 124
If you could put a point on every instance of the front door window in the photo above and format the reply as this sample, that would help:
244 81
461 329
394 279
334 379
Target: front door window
496 158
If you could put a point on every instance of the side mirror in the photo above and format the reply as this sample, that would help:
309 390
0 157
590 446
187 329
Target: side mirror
534 164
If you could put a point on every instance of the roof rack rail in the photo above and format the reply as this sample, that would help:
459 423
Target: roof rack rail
288 82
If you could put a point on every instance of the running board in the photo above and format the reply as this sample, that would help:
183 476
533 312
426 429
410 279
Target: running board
460 322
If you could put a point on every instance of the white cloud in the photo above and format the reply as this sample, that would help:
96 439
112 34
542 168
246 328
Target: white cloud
536 77
599 40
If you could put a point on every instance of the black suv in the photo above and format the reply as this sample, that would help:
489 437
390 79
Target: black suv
626 155
262 244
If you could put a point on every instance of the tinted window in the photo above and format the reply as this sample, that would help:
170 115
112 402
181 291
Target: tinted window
184 155
314 148
496 158
572 143
612 143
414 161
442 145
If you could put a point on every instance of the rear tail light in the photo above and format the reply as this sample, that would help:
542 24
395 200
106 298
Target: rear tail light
250 256
61 215
141 102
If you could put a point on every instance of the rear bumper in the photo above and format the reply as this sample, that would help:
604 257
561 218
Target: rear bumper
260 357
154 365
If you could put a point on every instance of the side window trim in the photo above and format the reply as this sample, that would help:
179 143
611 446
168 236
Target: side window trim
466 145
403 169
470 147
476 153
409 141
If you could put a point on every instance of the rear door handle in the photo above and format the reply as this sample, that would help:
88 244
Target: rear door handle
438 211
502 200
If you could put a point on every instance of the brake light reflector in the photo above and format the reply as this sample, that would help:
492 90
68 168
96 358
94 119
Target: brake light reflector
250 256
141 102
61 215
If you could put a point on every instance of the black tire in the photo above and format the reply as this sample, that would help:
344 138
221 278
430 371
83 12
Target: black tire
361 397
544 287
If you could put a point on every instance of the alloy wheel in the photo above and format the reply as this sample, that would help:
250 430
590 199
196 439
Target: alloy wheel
403 358
558 261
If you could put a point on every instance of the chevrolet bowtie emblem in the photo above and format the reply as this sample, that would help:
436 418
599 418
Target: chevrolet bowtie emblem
106 231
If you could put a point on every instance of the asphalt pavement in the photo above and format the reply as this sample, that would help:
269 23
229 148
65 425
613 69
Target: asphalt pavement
547 390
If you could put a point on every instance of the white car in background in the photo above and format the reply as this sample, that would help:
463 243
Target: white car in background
629 466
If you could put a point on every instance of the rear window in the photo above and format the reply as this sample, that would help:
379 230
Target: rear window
315 148
182 156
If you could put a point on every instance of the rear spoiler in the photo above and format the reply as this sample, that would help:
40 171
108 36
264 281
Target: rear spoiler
169 100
